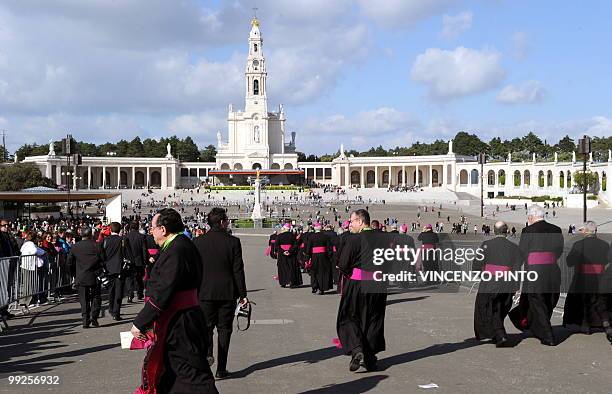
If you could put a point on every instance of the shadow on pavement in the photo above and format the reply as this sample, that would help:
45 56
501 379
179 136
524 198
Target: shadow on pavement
357 386
431 351
311 357
400 300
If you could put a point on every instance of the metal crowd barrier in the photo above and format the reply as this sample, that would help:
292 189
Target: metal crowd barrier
29 280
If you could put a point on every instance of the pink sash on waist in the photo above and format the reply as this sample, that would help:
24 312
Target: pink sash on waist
286 246
590 269
541 258
429 246
319 249
359 274
496 268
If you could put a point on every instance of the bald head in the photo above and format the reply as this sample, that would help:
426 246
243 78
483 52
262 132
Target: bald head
589 228
500 228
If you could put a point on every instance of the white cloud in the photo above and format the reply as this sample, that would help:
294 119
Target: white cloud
202 126
381 126
454 25
460 72
398 13
600 126
527 92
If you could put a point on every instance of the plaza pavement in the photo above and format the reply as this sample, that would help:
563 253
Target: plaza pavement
289 349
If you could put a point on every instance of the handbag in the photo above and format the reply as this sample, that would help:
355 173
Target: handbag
244 311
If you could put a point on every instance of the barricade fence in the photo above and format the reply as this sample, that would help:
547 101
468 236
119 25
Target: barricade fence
26 280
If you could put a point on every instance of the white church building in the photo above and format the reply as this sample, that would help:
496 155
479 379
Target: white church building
257 139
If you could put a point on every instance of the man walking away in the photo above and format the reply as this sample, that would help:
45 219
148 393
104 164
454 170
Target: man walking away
137 243
223 284
114 249
86 257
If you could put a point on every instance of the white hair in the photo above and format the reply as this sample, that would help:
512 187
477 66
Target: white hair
590 227
536 211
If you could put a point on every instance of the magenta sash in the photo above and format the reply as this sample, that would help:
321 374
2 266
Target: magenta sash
267 251
319 249
153 251
429 246
541 258
153 366
334 248
285 247
359 274
496 268
590 269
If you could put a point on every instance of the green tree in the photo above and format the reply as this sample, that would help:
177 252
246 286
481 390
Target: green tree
15 177
533 144
566 144
187 150
153 148
468 144
87 149
208 154
135 148
580 177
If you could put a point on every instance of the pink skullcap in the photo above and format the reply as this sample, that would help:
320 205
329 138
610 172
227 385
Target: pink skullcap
428 226
346 224
317 225
287 226
403 228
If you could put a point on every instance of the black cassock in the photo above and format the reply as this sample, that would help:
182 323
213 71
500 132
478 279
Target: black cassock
318 249
541 245
178 270
271 242
585 304
341 242
430 240
361 314
494 298
288 266
302 240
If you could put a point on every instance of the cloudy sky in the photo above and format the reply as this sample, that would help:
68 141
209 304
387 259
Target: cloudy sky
361 72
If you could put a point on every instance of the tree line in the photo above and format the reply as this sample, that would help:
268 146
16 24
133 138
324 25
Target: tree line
183 149
496 149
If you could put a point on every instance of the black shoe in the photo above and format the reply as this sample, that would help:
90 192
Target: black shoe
117 317
130 299
314 291
609 337
503 342
371 365
222 375
548 342
85 325
211 360
585 330
141 297
94 323
321 292
356 360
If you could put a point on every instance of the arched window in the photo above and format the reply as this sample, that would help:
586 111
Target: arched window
237 166
501 178
517 178
256 133
370 177
463 177
123 178
139 178
275 166
156 179
561 180
527 178
569 179
400 177
491 178
256 87
434 177
385 178
288 166
474 177
225 166
541 178
549 178
355 178
604 180
254 47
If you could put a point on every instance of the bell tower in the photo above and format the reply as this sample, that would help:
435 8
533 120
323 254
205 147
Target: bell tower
255 73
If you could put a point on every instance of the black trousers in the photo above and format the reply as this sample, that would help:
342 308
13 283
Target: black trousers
90 299
135 282
219 314
115 294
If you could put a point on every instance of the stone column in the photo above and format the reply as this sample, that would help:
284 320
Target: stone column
148 180
58 173
362 176
376 176
88 177
164 177
443 183
133 176
347 176
430 175
103 177
118 177
416 176
389 177
404 176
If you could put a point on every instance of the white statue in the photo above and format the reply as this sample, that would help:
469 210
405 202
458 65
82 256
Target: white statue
450 147
573 157
556 157
534 157
509 157
16 159
51 148
169 150
230 108
591 157
342 155
256 134
609 154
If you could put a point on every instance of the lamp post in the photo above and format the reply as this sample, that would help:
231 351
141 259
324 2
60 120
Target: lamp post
482 159
68 174
584 148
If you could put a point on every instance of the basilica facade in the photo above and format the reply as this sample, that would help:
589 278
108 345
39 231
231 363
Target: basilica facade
257 141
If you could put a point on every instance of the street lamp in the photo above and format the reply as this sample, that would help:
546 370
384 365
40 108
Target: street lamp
584 148
68 174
